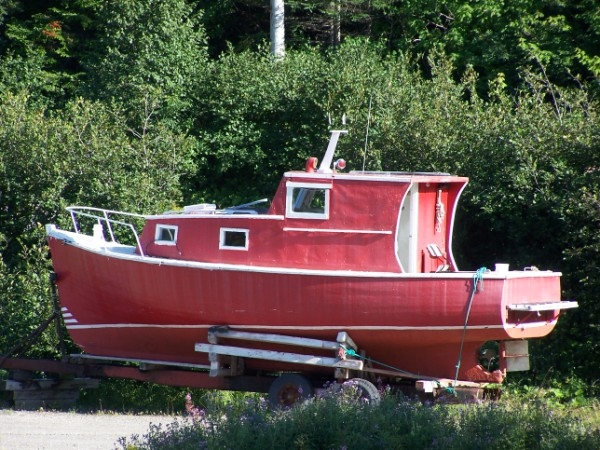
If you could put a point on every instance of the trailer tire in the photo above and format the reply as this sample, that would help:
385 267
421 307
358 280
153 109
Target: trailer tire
289 389
366 390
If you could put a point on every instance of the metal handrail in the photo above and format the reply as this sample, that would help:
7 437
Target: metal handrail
103 215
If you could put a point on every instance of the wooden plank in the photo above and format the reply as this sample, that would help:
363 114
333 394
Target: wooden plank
41 365
49 384
220 332
270 355
344 338
549 306
182 378
432 386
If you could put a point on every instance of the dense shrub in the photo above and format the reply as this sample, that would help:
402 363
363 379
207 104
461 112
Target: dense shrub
48 160
343 421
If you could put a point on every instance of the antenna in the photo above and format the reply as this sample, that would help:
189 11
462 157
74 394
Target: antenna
367 134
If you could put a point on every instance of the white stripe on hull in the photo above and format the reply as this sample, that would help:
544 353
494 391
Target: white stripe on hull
284 327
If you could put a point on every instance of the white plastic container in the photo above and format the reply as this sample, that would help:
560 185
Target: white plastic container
501 267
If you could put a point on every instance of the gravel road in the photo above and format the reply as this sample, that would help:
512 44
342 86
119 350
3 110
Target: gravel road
64 430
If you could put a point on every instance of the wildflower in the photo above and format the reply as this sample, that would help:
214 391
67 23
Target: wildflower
193 411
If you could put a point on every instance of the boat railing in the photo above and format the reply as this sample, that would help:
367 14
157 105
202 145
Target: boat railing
103 218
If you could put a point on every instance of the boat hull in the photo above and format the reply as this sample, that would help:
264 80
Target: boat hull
125 306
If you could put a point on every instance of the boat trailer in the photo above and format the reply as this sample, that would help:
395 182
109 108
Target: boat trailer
43 383
349 364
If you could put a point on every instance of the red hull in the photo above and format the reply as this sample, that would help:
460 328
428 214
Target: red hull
159 309
367 253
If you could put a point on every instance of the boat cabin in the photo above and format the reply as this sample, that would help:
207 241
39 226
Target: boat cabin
322 219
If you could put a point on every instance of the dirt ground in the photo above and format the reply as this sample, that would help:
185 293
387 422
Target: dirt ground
66 430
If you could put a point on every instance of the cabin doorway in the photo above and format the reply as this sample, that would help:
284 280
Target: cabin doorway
407 231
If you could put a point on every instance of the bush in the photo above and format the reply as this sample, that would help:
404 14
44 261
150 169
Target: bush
341 420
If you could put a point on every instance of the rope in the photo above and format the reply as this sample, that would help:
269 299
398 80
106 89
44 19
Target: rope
477 278
28 340
351 352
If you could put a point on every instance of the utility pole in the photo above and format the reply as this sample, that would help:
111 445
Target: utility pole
277 28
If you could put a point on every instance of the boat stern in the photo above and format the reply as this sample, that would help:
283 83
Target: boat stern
531 306
531 303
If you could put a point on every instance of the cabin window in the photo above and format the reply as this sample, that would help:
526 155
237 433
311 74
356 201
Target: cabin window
165 235
233 239
308 201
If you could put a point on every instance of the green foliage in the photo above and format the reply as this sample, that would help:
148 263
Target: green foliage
258 117
493 36
18 73
242 25
502 93
135 397
24 304
262 116
520 174
83 154
344 422
40 47
553 391
148 58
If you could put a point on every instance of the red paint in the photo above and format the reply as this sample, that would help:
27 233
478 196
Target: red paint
363 268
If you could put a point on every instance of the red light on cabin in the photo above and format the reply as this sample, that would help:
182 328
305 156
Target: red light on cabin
340 164
311 164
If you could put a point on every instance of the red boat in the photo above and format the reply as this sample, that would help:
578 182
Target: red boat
360 254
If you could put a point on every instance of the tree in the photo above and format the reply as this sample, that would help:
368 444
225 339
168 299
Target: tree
149 58
491 36
40 47
84 154
277 28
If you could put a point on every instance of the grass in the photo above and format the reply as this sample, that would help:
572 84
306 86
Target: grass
343 421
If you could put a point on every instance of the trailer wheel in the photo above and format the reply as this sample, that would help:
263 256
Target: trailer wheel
288 389
366 390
